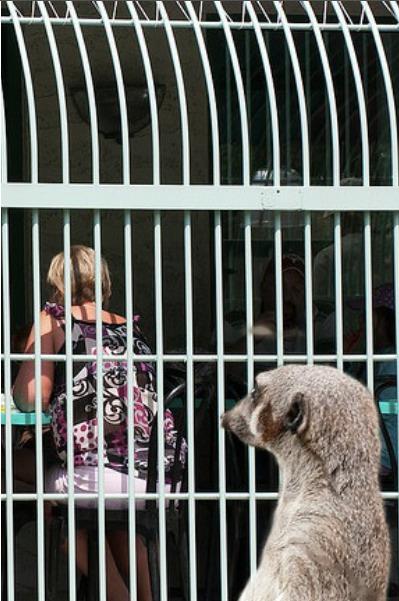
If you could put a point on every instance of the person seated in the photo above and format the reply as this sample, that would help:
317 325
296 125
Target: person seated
83 388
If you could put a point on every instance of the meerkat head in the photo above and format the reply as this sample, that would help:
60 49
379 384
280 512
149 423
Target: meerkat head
309 407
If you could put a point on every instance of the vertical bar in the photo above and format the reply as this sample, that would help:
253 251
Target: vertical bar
220 401
271 92
181 92
151 90
250 384
393 124
332 104
369 300
160 392
29 93
60 91
100 407
308 288
278 266
347 107
190 405
69 406
359 90
8 426
396 285
95 156
300 91
38 406
287 106
210 91
240 92
121 92
4 170
338 290
130 403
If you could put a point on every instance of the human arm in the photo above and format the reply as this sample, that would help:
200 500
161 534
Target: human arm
24 387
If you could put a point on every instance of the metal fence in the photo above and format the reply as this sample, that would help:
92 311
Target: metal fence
275 116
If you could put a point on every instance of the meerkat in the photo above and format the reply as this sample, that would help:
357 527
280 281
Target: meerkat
329 540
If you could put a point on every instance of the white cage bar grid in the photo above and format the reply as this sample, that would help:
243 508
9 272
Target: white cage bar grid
376 18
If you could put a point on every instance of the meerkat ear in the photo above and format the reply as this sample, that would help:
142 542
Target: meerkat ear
296 419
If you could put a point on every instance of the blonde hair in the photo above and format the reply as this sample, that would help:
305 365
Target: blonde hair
82 276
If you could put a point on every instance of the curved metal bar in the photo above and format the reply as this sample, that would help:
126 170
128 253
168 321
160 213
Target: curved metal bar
393 123
55 57
359 90
300 91
332 103
151 90
211 93
29 93
271 92
4 169
180 91
395 8
121 92
240 92
95 155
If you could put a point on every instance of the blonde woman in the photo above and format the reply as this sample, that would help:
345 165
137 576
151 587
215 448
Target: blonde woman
85 426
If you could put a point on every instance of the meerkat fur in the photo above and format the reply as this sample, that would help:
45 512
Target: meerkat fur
329 540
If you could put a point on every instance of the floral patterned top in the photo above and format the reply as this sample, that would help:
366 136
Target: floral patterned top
115 397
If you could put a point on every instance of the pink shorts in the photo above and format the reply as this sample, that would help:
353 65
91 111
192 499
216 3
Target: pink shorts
86 481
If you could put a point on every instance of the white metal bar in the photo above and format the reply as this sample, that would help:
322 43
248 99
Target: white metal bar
151 91
240 93
180 91
100 408
130 403
278 261
309 288
395 9
190 405
338 291
160 403
29 92
396 288
300 92
207 496
210 91
95 154
59 80
271 92
69 407
359 90
393 124
38 406
220 401
4 168
200 198
208 358
186 24
332 104
9 513
250 384
121 92
368 300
